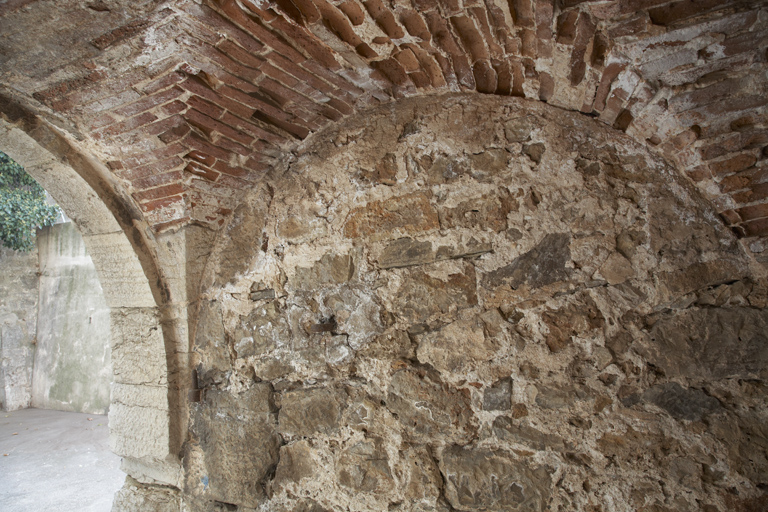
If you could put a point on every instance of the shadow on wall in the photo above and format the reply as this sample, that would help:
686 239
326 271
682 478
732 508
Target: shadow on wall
54 327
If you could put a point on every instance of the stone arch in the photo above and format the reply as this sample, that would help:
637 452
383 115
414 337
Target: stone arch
441 295
146 336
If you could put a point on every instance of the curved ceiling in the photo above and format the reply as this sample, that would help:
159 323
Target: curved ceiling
190 104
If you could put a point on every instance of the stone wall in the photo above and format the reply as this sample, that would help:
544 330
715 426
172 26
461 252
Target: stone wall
477 303
72 370
18 321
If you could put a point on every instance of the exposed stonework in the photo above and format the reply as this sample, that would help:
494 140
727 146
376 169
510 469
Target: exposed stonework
184 117
599 346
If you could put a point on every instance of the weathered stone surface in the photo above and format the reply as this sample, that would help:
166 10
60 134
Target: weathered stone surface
506 429
457 346
681 403
139 421
424 479
244 231
428 409
575 319
401 215
422 296
519 129
498 397
557 397
295 465
364 467
244 423
542 265
331 269
210 340
534 151
137 497
446 169
616 269
262 331
483 479
308 412
483 213
710 344
406 252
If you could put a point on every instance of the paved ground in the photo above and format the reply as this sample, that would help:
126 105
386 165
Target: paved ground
56 461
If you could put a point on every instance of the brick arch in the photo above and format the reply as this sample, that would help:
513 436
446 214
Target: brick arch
230 87
143 416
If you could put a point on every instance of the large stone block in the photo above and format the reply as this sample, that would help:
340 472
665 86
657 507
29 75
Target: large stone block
493 481
308 412
138 497
121 276
402 215
236 436
139 423
138 347
709 343
429 410
542 265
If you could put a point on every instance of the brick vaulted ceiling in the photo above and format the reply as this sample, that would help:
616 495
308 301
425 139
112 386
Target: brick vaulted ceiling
189 103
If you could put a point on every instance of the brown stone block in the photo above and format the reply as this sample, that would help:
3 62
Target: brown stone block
399 215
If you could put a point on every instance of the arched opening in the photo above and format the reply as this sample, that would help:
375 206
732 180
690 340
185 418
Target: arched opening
144 321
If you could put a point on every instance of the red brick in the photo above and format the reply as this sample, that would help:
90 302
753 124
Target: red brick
232 146
609 75
202 171
165 226
309 43
174 107
224 168
159 192
196 86
293 128
252 128
174 133
471 38
757 211
147 157
698 173
212 19
733 164
201 157
392 70
129 30
160 203
731 217
162 82
237 53
125 126
522 12
678 11
755 193
153 168
566 27
195 141
756 227
157 180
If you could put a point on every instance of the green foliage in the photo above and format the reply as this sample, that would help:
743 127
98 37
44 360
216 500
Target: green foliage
22 206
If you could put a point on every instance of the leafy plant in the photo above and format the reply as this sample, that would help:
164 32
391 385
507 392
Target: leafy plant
22 206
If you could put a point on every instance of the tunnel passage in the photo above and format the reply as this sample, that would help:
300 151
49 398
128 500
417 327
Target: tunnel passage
463 303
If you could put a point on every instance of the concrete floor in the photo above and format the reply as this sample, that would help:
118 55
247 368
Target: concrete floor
56 461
